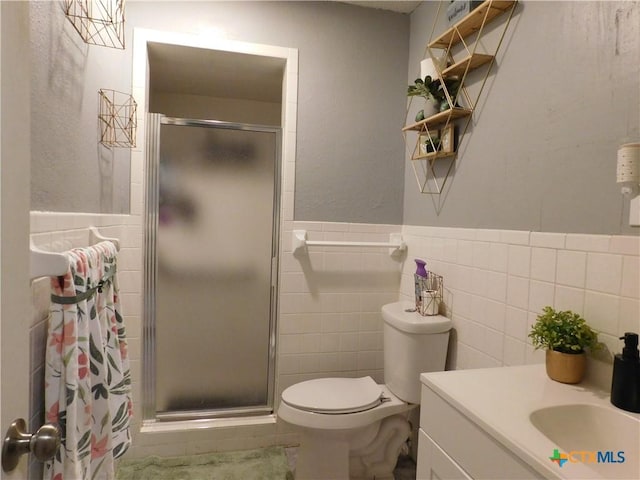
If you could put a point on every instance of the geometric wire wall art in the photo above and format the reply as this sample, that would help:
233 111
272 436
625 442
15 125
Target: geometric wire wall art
117 118
99 22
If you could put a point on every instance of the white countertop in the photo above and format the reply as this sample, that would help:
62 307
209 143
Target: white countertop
500 400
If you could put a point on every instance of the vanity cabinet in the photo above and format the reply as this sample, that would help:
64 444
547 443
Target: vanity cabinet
458 48
450 446
433 462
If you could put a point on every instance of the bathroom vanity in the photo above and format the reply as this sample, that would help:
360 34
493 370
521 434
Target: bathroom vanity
516 423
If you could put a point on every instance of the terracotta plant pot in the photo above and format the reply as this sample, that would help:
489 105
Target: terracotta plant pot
566 367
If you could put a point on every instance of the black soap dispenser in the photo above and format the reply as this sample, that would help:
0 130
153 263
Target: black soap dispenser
625 385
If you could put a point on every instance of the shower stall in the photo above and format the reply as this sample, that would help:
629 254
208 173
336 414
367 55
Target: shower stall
211 257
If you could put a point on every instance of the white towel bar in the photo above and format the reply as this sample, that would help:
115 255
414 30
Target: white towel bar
51 264
47 264
299 241
95 237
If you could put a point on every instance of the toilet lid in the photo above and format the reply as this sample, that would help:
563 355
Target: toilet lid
334 395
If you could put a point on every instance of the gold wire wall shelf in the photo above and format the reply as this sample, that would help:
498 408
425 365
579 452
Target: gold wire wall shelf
439 119
117 119
458 45
99 22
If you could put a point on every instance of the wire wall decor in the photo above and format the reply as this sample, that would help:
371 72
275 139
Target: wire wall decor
117 118
99 22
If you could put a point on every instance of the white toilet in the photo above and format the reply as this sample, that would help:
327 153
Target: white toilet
353 428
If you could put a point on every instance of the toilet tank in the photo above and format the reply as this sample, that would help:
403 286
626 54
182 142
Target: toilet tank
413 344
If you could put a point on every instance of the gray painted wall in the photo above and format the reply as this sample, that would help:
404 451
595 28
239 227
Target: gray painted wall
69 171
541 155
352 74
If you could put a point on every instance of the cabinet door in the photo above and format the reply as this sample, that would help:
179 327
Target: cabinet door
434 463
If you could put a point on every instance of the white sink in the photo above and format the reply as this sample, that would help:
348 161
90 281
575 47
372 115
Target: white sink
579 429
533 416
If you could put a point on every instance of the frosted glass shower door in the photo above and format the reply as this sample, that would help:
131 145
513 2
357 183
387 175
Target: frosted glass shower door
215 248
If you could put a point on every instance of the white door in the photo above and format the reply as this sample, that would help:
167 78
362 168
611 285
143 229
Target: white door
14 218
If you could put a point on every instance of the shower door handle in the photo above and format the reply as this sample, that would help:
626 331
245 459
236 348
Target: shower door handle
43 444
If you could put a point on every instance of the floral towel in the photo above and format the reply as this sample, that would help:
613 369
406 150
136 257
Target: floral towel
87 377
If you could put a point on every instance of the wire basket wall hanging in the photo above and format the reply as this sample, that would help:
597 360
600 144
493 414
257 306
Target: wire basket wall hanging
117 119
99 22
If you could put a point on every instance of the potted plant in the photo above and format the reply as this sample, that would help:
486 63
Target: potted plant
565 335
432 88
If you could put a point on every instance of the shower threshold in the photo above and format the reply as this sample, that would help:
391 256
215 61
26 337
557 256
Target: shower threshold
155 426
212 414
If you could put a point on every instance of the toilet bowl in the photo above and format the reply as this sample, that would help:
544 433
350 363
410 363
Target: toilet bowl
354 428
340 425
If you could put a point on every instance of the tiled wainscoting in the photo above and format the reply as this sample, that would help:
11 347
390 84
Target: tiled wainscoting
497 281
330 298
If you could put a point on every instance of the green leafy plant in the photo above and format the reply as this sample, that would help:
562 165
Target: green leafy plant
433 145
432 88
562 331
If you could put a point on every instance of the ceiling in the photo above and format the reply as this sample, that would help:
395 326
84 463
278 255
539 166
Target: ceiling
401 6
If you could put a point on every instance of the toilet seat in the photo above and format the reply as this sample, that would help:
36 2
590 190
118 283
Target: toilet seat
334 395
391 405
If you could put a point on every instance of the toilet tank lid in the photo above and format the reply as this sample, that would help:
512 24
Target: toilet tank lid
396 315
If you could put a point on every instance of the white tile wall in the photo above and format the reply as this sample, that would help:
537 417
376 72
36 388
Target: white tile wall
571 268
330 298
496 283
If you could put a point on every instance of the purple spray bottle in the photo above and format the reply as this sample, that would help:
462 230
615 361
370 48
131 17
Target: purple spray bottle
420 278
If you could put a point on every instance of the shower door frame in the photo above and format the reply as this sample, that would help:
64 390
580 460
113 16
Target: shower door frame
154 123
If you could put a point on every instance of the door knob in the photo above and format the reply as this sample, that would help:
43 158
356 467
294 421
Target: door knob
43 444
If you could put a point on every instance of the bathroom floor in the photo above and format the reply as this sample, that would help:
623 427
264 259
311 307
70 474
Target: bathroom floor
405 469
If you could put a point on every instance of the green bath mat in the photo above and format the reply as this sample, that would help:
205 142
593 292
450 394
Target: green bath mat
262 464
